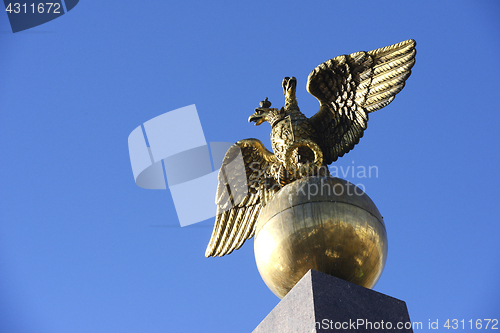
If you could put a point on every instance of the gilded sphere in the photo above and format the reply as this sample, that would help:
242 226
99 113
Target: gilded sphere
321 223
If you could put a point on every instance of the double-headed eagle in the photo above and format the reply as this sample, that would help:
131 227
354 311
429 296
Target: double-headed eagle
348 87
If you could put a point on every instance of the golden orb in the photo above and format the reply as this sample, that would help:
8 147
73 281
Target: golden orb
322 223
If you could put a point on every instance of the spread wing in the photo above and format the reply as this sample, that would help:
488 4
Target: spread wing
239 195
349 87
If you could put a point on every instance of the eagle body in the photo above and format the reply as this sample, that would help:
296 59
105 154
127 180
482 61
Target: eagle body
293 133
348 88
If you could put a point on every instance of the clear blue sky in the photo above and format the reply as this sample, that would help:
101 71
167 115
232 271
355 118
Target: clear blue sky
83 249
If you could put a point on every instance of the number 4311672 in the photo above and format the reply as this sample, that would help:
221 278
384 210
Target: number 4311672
41 8
478 324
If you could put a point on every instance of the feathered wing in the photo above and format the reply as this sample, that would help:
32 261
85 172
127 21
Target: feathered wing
349 87
238 197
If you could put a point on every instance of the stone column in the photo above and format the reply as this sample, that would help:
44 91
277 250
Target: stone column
323 303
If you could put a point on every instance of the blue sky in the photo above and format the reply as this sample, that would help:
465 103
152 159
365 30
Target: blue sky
83 249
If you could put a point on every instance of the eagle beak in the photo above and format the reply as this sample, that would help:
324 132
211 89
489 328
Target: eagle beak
257 117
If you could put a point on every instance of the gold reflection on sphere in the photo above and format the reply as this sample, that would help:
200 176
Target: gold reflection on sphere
321 223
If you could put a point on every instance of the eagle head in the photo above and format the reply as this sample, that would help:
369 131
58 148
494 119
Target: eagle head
265 113
289 86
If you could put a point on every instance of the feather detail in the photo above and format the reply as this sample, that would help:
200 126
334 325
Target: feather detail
241 179
365 82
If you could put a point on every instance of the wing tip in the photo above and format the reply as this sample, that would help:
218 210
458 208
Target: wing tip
410 41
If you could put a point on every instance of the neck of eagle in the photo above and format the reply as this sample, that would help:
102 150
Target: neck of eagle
292 108
291 103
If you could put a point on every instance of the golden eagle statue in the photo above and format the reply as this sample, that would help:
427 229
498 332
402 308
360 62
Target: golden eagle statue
348 88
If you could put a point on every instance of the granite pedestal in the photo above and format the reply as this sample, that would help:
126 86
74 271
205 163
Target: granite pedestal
323 303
